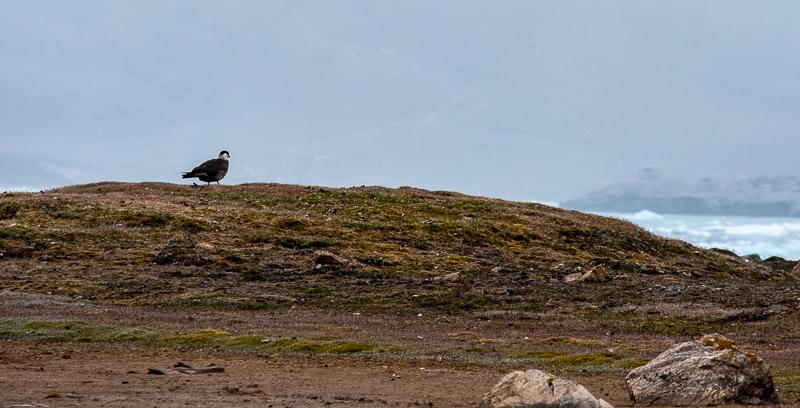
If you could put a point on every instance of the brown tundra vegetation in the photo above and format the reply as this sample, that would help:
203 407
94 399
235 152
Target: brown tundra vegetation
315 297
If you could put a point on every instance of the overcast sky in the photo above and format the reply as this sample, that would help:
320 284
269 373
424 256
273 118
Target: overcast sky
518 99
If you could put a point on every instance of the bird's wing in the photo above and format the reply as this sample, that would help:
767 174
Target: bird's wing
210 167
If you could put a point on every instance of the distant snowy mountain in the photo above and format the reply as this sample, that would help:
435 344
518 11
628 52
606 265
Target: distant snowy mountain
746 196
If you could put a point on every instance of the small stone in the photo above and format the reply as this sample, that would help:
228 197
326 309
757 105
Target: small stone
649 270
188 369
231 389
595 274
325 258
204 246
212 368
163 258
450 277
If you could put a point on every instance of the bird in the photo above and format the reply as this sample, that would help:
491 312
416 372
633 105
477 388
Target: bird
211 170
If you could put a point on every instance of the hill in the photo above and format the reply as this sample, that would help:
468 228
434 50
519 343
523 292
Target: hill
254 246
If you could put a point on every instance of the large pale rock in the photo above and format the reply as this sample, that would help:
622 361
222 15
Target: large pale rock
538 389
709 371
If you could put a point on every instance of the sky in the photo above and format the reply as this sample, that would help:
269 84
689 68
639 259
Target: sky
527 100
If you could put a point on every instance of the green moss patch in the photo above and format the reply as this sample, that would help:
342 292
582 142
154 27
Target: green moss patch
75 331
318 347
787 382
79 332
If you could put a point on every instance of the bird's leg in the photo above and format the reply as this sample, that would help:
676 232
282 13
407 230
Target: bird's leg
217 182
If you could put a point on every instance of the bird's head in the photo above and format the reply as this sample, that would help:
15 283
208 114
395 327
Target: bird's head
224 155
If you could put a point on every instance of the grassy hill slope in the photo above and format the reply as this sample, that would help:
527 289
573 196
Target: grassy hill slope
256 247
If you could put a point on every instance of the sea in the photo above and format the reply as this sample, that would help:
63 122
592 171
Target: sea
763 236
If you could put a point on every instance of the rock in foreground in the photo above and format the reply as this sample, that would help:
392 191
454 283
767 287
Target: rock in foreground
709 371
538 389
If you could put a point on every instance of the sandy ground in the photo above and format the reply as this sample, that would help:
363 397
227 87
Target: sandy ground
34 374
92 375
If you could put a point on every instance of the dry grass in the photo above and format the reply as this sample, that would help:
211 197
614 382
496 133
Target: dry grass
252 247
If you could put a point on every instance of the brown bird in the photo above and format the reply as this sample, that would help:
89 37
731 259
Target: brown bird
211 170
